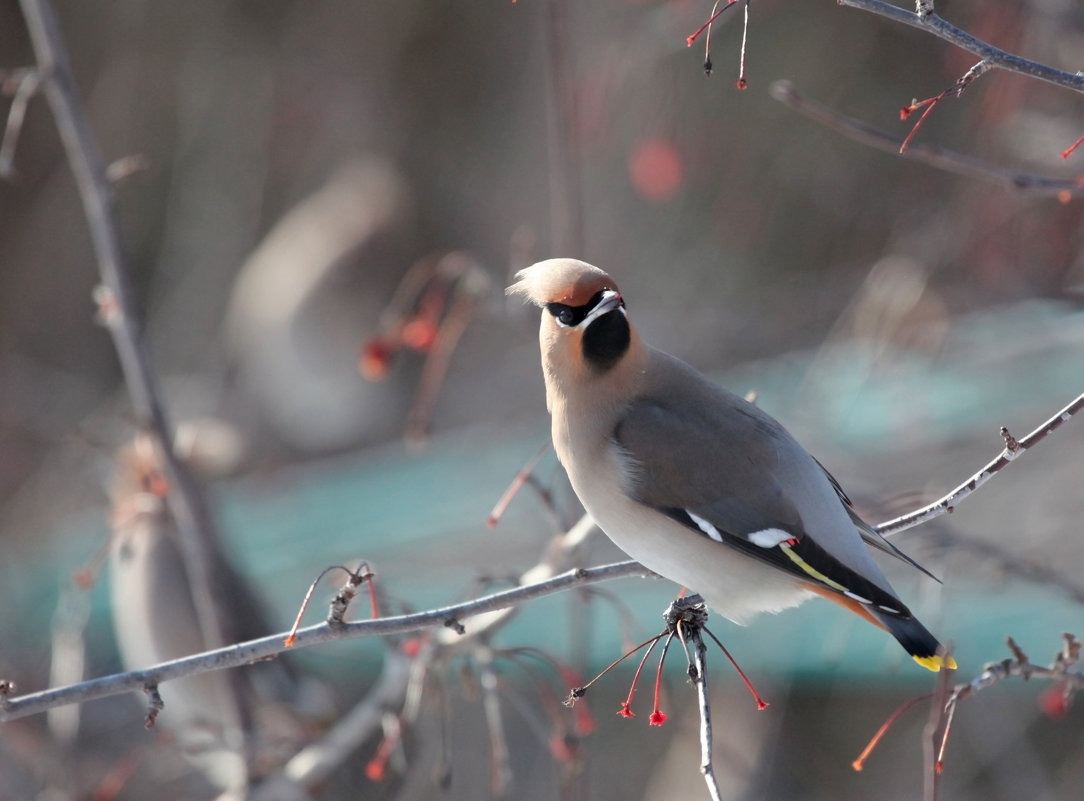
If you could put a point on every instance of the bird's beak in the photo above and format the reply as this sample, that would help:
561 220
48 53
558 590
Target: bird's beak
611 300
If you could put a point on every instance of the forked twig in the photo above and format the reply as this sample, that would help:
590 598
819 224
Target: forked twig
1013 449
924 18
946 698
956 90
932 155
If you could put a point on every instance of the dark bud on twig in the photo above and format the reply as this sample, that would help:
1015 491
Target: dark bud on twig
455 625
1011 445
574 695
1018 652
155 704
1070 654
336 613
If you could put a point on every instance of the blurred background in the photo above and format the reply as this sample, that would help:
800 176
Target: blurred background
322 203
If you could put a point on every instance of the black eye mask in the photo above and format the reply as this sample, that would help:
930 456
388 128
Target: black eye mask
572 316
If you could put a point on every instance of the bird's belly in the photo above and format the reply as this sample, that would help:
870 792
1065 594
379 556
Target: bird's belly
734 585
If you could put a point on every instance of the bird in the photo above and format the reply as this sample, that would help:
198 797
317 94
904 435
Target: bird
693 481
232 726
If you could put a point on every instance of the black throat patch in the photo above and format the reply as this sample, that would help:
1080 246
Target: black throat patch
606 340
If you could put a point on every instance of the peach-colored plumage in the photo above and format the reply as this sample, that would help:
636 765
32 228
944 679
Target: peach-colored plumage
566 281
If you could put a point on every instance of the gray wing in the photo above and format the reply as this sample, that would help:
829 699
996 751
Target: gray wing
869 534
726 469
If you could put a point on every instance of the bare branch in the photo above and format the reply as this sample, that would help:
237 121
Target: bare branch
500 762
312 765
1067 683
1013 449
707 762
945 700
932 155
924 18
267 647
1012 563
119 309
932 732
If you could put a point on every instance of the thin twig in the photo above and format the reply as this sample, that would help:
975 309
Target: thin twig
956 90
926 20
1013 449
522 477
500 762
265 647
310 767
860 762
707 763
438 647
932 731
742 83
945 701
566 194
558 555
26 86
469 286
1020 666
932 155
1012 564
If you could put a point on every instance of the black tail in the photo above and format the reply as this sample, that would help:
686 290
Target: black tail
916 640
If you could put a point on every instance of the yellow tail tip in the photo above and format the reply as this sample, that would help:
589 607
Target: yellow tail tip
935 663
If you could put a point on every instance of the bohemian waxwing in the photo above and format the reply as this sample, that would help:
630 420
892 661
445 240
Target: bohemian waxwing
231 725
692 481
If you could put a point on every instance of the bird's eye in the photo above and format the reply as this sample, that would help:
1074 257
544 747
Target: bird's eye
565 315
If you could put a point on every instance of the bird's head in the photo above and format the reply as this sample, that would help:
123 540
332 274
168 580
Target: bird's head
585 331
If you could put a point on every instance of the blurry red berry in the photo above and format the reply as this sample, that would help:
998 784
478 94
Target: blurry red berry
656 169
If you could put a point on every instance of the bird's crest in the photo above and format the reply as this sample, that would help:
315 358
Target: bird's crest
566 281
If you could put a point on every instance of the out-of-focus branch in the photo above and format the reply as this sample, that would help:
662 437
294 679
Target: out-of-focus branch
934 156
117 302
1067 682
946 698
555 560
1013 449
267 647
566 196
24 85
932 733
1006 562
926 19
312 765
